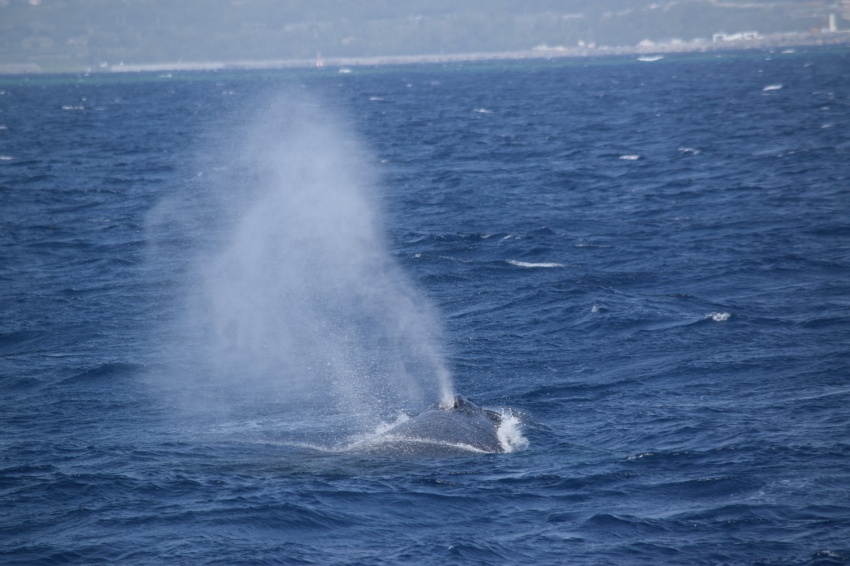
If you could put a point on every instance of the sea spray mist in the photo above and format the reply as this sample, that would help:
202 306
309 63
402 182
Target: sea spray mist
288 294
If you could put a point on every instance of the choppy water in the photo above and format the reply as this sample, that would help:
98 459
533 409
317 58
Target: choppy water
648 263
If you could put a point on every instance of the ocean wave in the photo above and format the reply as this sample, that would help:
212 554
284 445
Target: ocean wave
651 415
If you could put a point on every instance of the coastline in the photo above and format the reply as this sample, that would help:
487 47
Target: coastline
649 50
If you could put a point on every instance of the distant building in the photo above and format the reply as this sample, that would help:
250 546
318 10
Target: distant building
740 36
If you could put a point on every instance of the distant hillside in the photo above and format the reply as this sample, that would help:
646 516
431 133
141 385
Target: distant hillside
75 34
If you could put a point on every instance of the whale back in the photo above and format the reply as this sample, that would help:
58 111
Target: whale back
461 427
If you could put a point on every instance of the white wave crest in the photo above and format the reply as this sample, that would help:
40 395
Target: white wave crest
527 264
718 316
630 157
640 456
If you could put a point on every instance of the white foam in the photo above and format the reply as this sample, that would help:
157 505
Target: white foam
6 158
483 111
69 107
718 316
630 157
3 127
510 433
689 151
527 264
769 88
376 98
650 58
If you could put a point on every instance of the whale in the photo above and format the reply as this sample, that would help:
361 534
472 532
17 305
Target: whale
456 427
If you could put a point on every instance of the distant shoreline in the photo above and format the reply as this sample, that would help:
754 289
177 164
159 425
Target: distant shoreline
645 49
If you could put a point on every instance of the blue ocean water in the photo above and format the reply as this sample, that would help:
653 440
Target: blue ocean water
214 285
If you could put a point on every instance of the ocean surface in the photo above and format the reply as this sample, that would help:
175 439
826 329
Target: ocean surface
217 290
